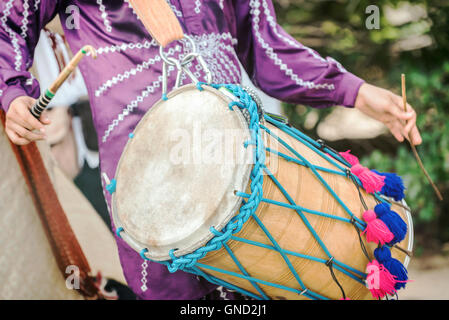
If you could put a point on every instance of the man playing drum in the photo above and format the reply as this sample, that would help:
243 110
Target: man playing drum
126 80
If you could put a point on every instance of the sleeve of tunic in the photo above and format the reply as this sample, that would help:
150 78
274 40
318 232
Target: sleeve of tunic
284 68
20 25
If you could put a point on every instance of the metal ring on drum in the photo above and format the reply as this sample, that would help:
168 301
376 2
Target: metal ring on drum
194 51
182 66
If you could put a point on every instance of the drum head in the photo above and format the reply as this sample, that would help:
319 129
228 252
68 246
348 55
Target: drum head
177 175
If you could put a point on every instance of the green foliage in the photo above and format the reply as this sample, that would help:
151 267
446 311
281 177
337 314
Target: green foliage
337 29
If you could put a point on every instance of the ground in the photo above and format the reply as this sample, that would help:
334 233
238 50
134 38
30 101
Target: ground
430 277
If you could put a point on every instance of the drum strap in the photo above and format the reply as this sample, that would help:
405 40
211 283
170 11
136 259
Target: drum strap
65 247
159 20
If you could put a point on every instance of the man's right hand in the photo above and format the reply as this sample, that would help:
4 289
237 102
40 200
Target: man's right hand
21 126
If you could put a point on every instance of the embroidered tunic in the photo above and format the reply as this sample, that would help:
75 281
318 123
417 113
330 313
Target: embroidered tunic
125 80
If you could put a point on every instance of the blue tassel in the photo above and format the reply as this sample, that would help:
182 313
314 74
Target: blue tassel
393 187
393 221
394 266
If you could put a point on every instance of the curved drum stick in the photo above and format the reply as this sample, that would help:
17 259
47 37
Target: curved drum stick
46 97
415 152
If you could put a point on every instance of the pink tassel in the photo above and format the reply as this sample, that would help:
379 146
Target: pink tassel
352 159
380 281
371 181
376 230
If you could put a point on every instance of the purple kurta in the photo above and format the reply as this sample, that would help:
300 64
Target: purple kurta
125 80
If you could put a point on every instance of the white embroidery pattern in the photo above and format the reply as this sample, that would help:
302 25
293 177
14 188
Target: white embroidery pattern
126 75
209 46
24 26
218 73
237 71
197 6
274 25
214 37
104 16
255 12
125 46
339 66
144 273
221 4
36 5
132 72
1 92
12 35
176 11
133 104
235 74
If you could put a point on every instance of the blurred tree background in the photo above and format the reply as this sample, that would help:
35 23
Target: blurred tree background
413 38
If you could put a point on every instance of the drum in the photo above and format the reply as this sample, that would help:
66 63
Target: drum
28 268
209 184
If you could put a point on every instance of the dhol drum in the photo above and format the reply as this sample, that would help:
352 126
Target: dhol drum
211 185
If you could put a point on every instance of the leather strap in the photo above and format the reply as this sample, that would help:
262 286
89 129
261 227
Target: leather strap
66 248
159 20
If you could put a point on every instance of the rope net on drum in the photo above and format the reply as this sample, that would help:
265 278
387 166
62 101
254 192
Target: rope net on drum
191 262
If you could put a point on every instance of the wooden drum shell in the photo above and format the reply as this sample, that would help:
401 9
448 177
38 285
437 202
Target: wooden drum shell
287 227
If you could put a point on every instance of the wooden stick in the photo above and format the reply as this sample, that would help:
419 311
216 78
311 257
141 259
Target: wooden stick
46 97
62 77
415 152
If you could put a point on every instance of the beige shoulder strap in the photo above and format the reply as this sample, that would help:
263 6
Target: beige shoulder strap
159 20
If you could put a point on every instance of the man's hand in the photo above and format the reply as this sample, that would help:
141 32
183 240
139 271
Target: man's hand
387 107
21 126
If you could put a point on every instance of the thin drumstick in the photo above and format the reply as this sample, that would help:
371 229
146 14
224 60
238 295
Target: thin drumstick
43 101
415 152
